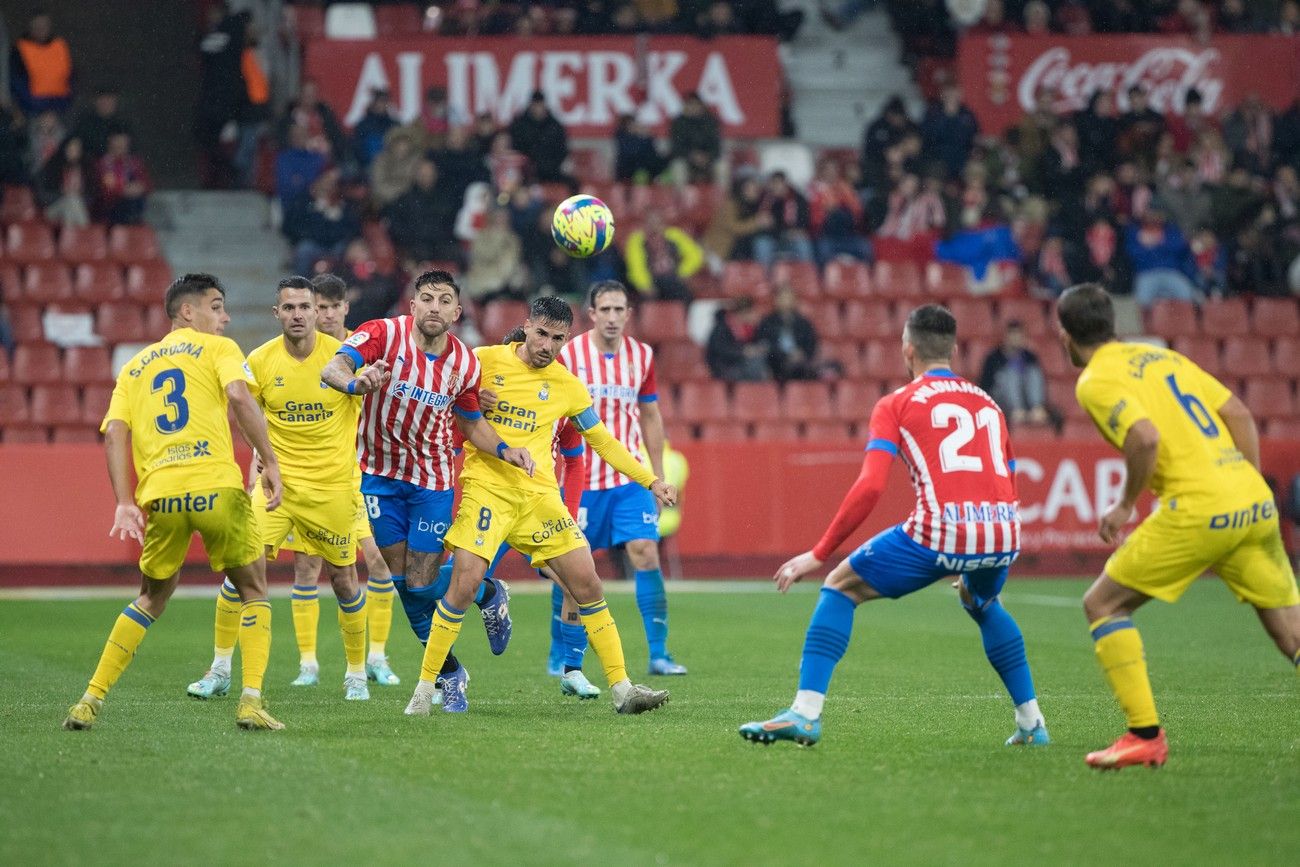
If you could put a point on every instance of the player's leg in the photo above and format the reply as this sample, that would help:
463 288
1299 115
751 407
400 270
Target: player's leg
326 525
1004 646
379 611
555 659
215 681
352 602
1259 571
304 602
635 523
467 574
573 638
1283 626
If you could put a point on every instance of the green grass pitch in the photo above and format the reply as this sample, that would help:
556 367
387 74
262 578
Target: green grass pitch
911 768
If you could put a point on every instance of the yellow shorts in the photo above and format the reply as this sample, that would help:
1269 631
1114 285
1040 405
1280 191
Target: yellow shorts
535 524
320 522
223 518
1171 548
360 530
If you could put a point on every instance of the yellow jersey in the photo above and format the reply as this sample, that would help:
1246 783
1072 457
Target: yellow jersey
172 395
313 428
1197 460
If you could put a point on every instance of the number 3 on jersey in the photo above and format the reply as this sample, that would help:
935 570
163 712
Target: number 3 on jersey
951 460
178 412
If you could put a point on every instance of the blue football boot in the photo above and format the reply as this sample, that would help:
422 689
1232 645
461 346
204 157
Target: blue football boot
496 617
453 690
1035 737
785 726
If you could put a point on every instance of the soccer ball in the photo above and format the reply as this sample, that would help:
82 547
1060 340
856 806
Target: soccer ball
582 226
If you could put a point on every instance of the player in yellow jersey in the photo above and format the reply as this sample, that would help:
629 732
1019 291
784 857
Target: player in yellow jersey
313 430
168 414
500 503
1190 441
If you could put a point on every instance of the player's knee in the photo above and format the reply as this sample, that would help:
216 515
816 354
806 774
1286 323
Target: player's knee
643 553
844 580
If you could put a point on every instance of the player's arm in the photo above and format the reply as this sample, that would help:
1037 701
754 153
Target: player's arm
1141 448
340 374
575 467
487 440
615 454
1241 424
652 422
128 520
252 424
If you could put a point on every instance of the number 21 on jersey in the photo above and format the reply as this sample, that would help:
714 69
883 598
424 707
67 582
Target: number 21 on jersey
951 459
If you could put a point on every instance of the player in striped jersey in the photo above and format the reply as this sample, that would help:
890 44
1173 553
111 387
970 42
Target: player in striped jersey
619 373
953 439
416 374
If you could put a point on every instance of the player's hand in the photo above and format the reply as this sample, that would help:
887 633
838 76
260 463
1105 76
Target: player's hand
665 494
487 399
795 570
520 458
373 377
272 486
1113 522
128 523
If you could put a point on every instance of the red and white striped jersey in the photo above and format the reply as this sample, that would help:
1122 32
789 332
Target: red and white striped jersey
405 431
618 382
953 439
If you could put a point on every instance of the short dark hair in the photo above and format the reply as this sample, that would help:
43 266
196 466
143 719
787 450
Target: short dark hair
518 335
552 308
185 287
601 287
330 287
1087 314
437 277
294 282
932 329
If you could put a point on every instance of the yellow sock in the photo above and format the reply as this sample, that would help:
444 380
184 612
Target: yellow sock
379 613
442 635
255 641
352 623
602 635
306 619
227 628
1119 650
120 649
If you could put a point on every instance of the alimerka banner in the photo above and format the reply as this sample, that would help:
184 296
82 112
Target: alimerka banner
1001 75
747 506
589 81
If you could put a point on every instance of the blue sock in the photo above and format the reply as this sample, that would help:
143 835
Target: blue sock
481 591
574 638
419 616
653 604
827 639
1005 648
443 581
557 642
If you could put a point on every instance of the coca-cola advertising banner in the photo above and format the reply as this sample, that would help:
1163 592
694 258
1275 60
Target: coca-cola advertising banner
589 82
1001 75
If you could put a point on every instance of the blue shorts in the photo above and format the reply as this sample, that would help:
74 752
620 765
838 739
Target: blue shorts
402 512
894 565
618 515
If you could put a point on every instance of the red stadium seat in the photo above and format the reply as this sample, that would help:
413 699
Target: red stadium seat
1286 355
946 280
94 403
25 322
660 322
29 242
37 363
776 431
156 322
897 280
99 282
1283 429
884 358
1171 319
679 361
854 400
848 355
1079 429
1052 357
11 282
799 276
56 404
723 431
871 320
501 317
974 318
400 19
18 205
808 401
1225 318
120 322
86 364
1270 398
1204 351
5 372
756 401
970 357
46 283
590 165
828 431
847 279
14 408
1032 433
80 433
1060 394
1247 356
677 432
147 282
1275 317
79 244
827 319
131 245
26 434
703 401
1029 312
745 279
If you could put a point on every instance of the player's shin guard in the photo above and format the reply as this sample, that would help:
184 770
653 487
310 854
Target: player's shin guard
417 613
352 624
119 650
226 629
442 635
304 601
1005 648
1119 650
602 634
379 613
255 642
652 602
823 647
